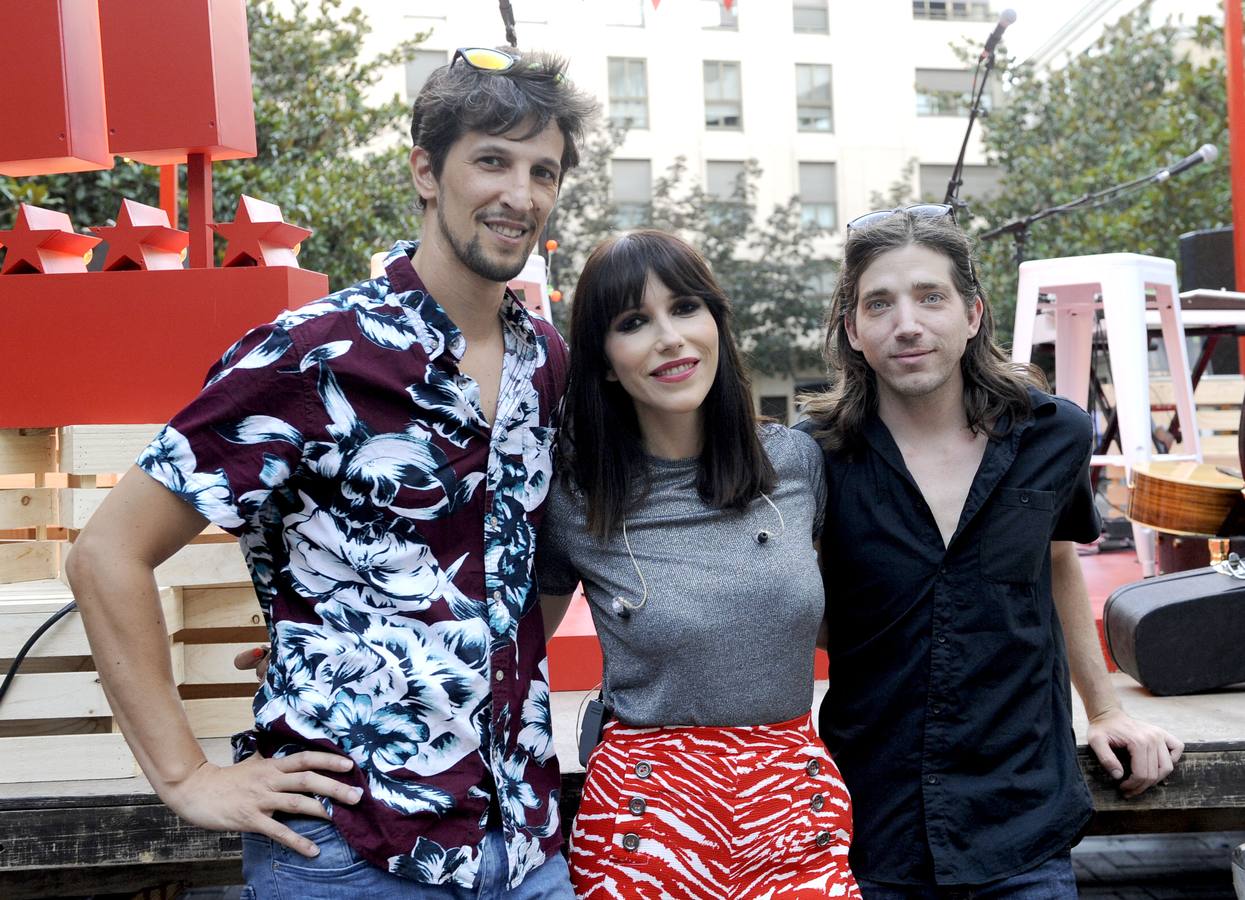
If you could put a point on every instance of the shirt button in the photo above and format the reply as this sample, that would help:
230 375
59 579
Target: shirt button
819 801
813 768
937 710
942 638
630 841
1024 498
931 779
823 838
490 521
637 806
496 595
499 675
643 770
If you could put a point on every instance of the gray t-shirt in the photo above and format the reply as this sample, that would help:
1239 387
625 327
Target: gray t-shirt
727 634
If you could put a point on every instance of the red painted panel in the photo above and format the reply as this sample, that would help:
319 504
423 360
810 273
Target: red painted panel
178 79
131 346
52 109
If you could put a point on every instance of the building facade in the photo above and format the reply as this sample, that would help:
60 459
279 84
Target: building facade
837 101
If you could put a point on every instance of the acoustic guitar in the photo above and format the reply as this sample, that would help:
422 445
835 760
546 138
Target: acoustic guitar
1186 498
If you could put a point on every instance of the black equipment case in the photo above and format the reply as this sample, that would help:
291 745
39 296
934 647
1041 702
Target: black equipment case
1182 633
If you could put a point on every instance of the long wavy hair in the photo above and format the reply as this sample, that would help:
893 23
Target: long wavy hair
996 390
602 445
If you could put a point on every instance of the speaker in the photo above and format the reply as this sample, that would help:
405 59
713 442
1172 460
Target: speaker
1206 260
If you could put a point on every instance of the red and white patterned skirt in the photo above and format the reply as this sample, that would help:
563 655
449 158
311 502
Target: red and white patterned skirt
700 813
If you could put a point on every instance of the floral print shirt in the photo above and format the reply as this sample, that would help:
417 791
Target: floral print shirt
389 531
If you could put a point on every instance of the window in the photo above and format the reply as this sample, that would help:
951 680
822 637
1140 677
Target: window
961 10
775 407
818 194
814 111
722 180
628 92
723 187
419 67
633 191
726 19
723 95
624 12
811 16
979 182
946 92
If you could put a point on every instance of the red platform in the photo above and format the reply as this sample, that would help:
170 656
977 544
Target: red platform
575 655
131 346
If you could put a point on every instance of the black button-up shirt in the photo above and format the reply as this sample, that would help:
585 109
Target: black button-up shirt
949 710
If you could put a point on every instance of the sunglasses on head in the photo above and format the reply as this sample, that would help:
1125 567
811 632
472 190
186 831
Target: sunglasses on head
487 59
919 210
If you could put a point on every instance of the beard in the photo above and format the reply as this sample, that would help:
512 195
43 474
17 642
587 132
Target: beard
472 255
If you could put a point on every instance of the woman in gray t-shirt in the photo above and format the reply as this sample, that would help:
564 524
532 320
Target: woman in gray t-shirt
692 531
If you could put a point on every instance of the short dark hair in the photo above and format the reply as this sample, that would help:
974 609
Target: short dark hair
602 441
996 390
457 99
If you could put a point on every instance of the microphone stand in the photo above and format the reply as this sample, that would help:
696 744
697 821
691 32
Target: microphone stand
957 174
1019 228
507 19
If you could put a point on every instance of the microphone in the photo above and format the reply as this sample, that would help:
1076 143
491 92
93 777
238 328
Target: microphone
1006 17
1205 153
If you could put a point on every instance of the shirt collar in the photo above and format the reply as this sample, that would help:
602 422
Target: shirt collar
437 333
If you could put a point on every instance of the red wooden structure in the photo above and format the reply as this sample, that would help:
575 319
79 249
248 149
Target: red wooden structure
162 83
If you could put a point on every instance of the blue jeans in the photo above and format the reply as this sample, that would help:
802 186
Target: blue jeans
1052 880
275 872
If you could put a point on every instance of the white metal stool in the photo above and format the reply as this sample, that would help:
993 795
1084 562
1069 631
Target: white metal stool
1117 284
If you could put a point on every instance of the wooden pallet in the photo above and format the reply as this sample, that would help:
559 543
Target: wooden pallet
51 481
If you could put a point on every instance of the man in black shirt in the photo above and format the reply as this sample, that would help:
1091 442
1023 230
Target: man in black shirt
956 605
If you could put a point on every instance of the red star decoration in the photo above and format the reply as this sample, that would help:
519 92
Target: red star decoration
43 240
258 236
142 239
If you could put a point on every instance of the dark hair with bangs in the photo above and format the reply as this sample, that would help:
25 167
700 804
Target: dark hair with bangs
601 434
458 99
996 390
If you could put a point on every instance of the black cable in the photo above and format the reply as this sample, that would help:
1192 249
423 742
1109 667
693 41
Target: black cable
30 642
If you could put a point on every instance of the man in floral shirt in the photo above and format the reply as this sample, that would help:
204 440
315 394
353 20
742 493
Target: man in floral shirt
383 457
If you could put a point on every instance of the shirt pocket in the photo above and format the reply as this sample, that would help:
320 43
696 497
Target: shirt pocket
537 465
1016 538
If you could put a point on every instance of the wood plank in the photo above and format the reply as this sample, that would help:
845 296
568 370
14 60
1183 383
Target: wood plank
200 565
103 449
68 757
27 450
55 695
77 505
213 664
1205 792
29 560
104 835
1218 420
130 880
1210 391
25 607
219 717
226 606
27 507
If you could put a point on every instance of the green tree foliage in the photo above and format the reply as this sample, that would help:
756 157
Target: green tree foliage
1140 97
332 161
768 266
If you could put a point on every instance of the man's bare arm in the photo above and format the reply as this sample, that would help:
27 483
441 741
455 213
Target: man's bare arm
111 571
1152 751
